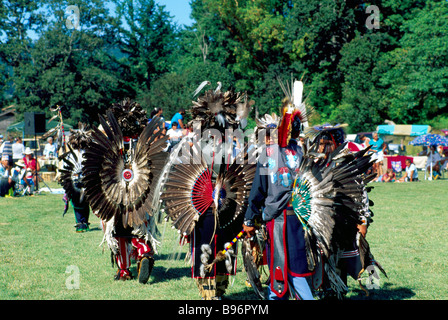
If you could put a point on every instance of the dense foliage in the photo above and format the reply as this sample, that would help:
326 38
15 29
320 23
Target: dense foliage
362 62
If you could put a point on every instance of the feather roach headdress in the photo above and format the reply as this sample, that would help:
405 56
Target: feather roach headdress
130 116
294 113
221 110
80 138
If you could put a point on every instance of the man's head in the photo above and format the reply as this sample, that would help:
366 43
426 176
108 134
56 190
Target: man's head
326 145
4 161
375 136
174 125
50 140
408 162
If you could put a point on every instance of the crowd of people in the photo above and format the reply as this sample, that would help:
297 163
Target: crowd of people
19 169
436 163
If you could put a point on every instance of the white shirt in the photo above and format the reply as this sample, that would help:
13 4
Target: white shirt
175 135
50 148
412 167
432 159
18 150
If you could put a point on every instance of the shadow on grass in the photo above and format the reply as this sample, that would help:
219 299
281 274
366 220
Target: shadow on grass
385 293
162 274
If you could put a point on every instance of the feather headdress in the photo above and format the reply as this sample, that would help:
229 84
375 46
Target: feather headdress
294 113
221 110
130 116
79 139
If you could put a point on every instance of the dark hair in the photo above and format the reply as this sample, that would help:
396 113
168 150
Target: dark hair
175 123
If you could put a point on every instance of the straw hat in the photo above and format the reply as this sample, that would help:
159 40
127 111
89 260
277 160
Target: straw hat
28 151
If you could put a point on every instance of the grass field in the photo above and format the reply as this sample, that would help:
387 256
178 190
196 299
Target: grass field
39 251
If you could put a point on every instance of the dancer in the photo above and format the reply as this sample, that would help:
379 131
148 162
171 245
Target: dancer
270 202
205 196
330 199
71 177
121 168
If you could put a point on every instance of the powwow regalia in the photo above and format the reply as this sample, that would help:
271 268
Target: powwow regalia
121 168
71 176
330 199
270 199
204 194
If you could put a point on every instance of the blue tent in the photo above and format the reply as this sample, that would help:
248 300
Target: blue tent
404 130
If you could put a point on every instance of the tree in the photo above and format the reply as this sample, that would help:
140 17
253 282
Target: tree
416 73
146 38
67 66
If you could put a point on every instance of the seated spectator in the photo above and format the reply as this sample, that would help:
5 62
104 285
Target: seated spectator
174 134
389 176
31 164
51 149
410 174
6 181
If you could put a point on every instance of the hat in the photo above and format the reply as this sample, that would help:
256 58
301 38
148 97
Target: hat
28 151
20 163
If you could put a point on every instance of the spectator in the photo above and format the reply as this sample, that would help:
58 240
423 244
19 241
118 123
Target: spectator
364 140
18 150
6 149
377 149
31 164
51 149
174 134
410 174
6 181
434 160
156 112
389 176
178 118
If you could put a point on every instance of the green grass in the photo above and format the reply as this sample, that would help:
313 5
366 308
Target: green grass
37 245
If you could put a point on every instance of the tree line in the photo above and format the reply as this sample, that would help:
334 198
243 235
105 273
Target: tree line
361 61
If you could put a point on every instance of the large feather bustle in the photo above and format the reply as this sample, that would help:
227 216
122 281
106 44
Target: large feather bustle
327 198
187 191
71 174
107 165
233 187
